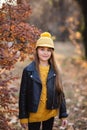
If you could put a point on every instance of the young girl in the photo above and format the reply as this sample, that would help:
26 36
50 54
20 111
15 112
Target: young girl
41 92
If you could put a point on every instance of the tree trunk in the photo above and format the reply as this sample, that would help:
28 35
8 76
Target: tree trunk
85 34
83 5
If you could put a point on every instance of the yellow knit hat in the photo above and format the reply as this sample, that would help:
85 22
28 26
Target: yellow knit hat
45 40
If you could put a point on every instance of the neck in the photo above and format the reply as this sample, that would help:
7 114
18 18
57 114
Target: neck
44 63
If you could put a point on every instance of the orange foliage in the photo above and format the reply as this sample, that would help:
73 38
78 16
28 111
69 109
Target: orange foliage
17 41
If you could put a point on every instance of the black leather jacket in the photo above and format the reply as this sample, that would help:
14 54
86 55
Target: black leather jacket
30 91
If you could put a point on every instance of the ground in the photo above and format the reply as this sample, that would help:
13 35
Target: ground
73 70
75 82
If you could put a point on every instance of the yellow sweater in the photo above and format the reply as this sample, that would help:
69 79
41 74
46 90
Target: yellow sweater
42 113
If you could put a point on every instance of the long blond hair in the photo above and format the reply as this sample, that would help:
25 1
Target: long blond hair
52 62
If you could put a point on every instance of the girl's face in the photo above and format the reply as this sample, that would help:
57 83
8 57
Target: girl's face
44 53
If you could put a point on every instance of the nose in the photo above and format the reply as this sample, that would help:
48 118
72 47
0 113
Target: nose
46 52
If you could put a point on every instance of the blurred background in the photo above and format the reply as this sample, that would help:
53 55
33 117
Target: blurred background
57 17
21 23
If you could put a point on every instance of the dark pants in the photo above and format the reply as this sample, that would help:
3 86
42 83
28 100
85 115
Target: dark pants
46 125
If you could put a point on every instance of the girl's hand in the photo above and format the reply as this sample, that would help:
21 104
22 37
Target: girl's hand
64 123
24 125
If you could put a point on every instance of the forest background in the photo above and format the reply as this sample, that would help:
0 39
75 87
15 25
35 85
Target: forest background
64 20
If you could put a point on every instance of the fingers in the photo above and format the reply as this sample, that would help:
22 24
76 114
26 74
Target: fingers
64 123
25 126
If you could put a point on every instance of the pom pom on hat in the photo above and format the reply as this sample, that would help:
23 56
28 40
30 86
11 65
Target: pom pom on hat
45 34
45 40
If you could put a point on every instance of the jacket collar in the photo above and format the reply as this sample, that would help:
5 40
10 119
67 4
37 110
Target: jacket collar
35 75
51 73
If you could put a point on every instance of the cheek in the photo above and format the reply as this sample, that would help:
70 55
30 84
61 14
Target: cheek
39 53
50 54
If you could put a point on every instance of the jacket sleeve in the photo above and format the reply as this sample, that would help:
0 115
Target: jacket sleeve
23 113
62 110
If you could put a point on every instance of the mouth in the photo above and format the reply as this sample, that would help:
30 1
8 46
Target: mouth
45 56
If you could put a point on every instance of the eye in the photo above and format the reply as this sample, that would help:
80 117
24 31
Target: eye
42 49
49 50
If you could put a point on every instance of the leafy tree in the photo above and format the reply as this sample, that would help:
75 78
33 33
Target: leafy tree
61 17
17 41
72 33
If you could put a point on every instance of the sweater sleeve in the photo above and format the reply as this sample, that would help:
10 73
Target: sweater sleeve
25 120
